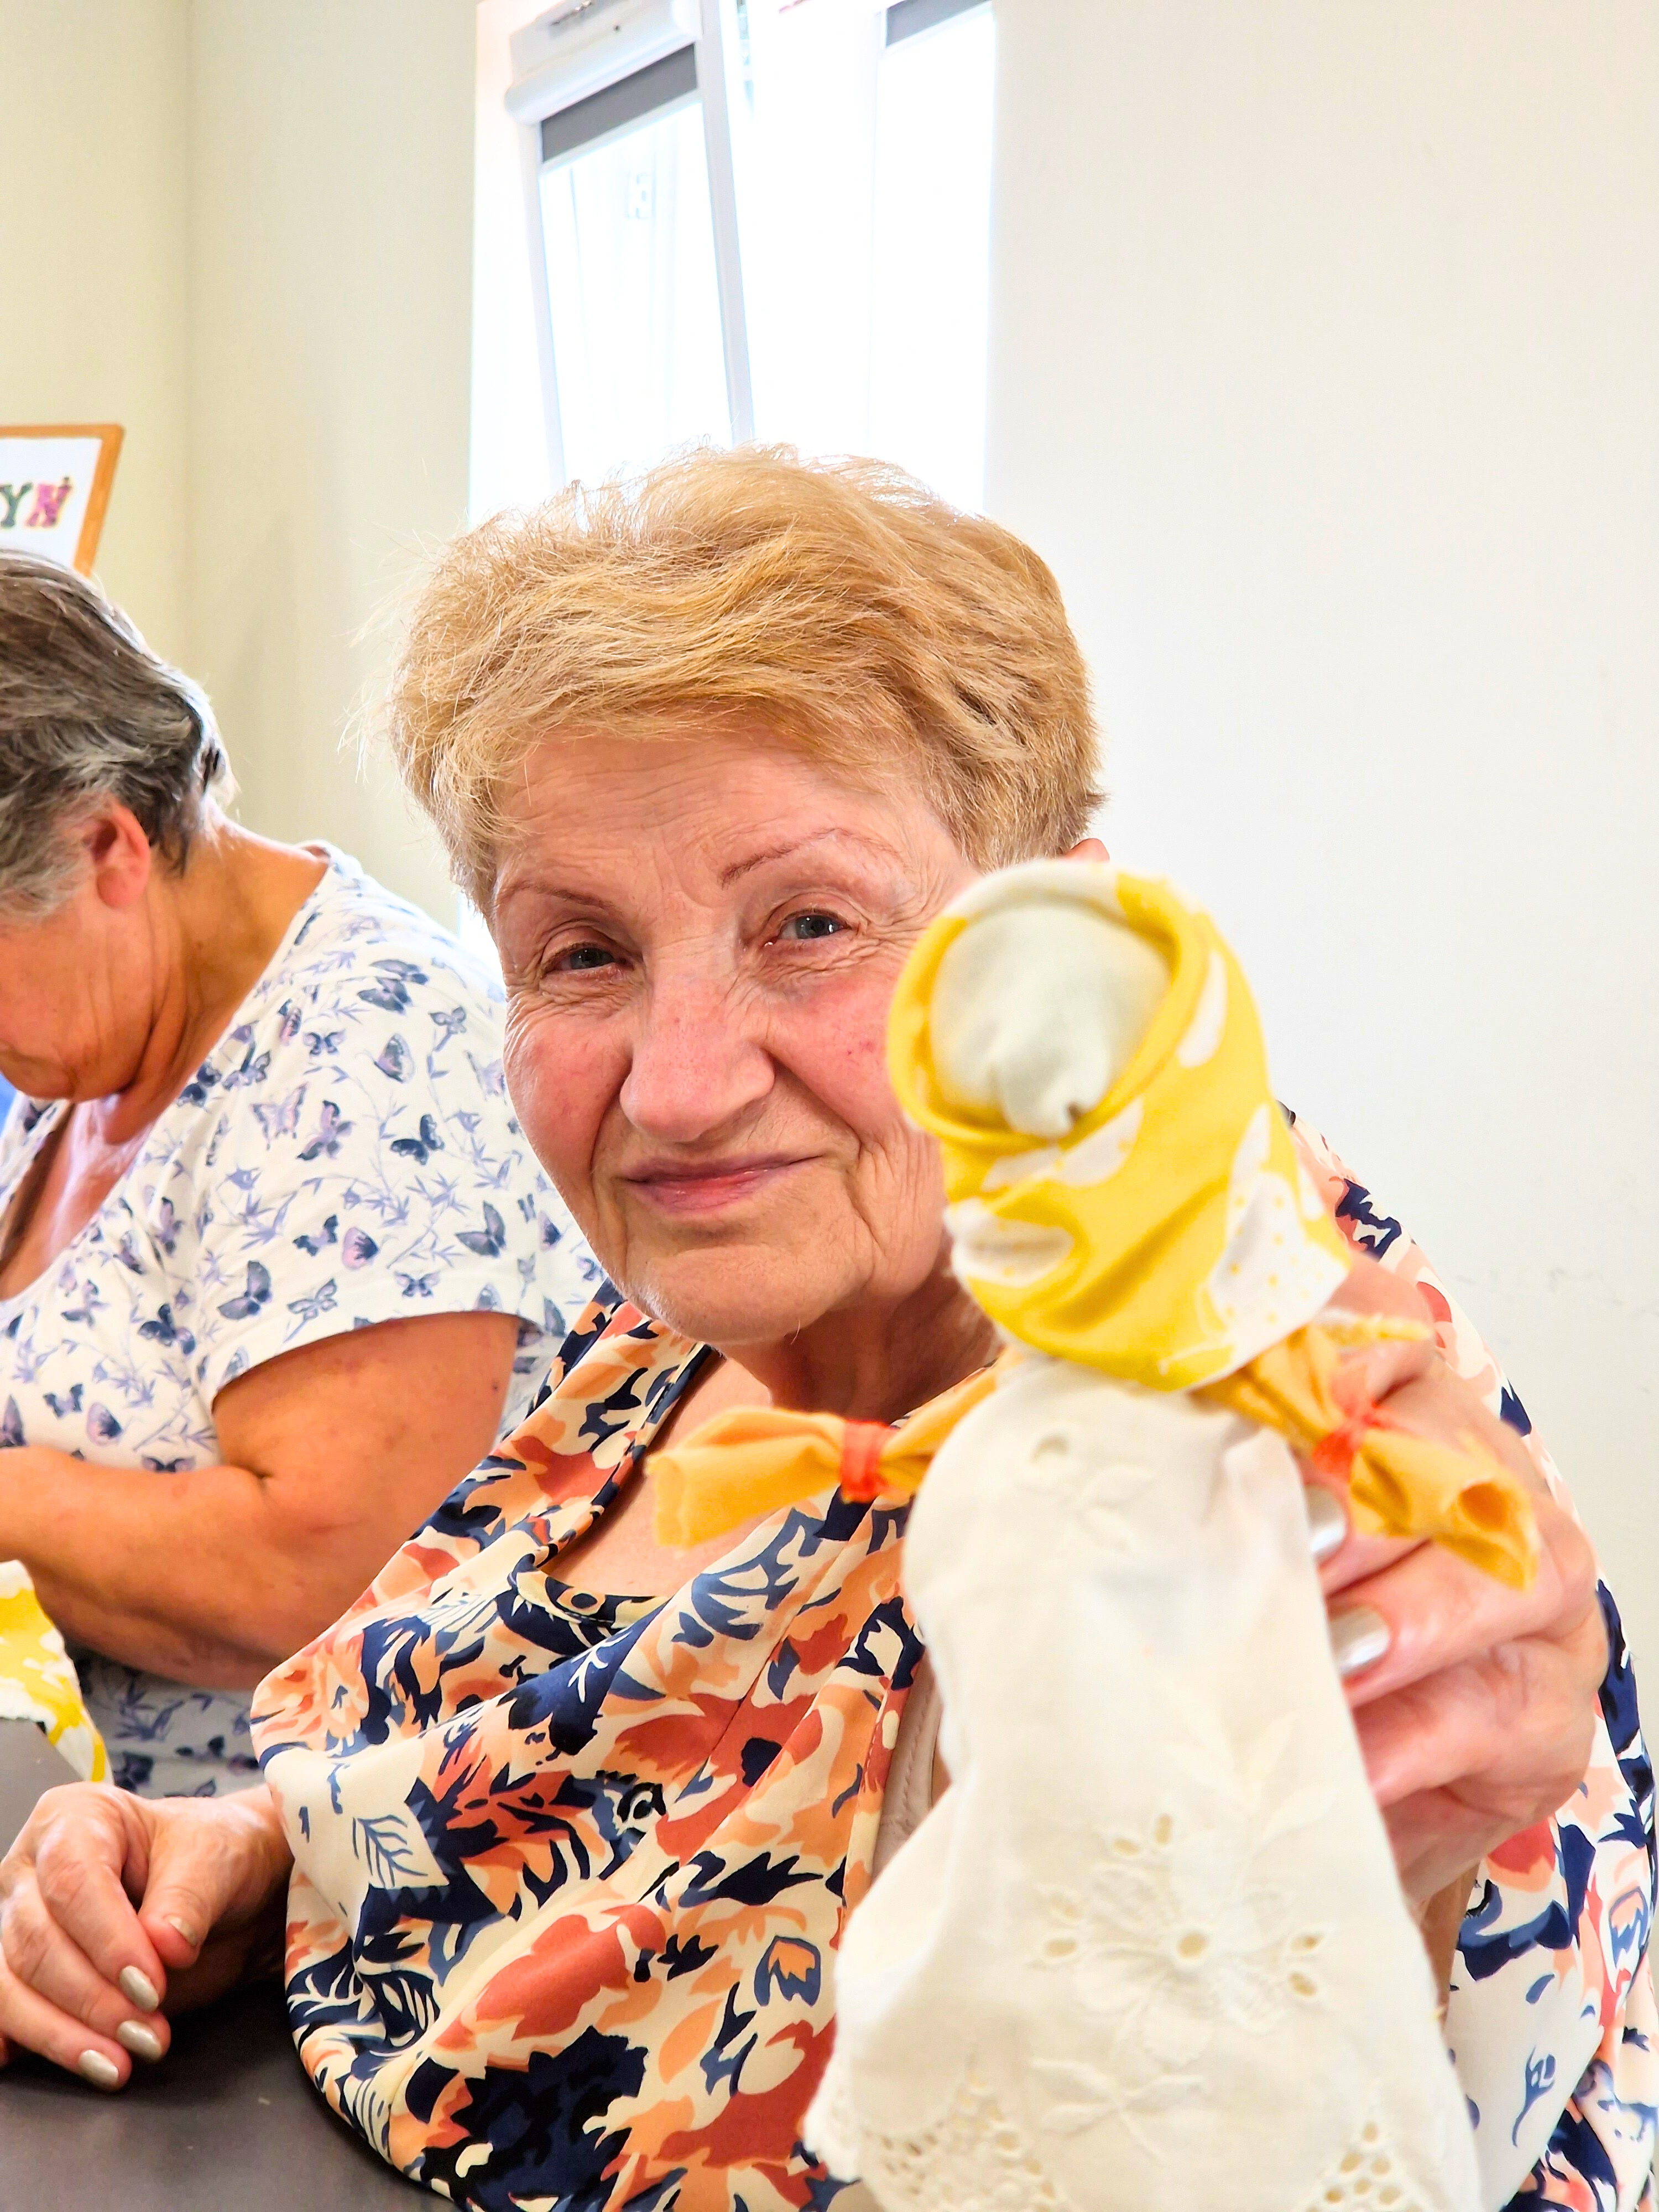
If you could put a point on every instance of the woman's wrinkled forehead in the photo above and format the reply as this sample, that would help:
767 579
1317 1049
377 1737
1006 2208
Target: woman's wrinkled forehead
709 814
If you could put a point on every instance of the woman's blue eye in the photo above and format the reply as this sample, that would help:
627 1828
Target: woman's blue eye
584 957
805 928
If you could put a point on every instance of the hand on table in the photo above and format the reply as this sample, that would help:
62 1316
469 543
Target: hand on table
116 1910
1476 1707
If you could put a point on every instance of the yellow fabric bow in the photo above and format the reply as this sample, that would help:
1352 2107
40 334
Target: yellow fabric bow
1173 1240
1399 1483
758 1459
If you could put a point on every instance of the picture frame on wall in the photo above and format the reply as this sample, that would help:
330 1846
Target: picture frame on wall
55 481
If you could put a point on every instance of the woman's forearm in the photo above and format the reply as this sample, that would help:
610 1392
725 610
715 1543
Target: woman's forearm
205 1576
333 1453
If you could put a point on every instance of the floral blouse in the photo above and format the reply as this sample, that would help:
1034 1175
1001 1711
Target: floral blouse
570 1869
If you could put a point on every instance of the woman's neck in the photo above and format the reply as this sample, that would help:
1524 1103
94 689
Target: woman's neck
881 1360
215 927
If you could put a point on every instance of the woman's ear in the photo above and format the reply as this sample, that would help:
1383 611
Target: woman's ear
119 855
1091 849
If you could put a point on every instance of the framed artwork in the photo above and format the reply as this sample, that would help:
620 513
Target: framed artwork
54 487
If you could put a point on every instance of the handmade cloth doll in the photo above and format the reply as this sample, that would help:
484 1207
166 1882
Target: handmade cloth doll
38 1681
1150 1948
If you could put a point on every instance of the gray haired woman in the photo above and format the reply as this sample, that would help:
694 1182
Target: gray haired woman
276 1265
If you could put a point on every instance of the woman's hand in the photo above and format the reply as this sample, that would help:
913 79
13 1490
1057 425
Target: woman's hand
1475 1704
116 1910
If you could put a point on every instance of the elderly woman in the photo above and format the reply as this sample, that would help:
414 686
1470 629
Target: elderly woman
565 1825
275 1261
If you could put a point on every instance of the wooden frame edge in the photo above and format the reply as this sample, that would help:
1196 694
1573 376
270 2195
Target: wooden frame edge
110 436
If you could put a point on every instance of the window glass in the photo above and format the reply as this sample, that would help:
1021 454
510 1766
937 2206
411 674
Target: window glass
632 296
929 312
804 148
864 194
854 266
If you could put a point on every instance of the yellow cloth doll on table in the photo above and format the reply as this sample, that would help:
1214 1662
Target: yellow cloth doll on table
38 1681
1150 1948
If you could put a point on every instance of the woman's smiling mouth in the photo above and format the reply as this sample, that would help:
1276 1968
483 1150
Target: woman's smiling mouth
684 1188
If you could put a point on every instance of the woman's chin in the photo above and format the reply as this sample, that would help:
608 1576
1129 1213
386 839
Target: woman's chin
735 1295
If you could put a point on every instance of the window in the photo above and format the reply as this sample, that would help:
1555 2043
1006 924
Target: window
761 218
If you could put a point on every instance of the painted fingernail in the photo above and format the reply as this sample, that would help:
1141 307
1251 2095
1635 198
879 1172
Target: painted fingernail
102 2073
183 1928
138 2037
1358 1637
1327 1524
138 1989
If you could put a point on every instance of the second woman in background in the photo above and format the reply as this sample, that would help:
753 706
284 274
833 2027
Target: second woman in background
276 1266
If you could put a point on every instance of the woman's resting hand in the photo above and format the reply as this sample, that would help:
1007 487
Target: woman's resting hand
1476 1720
116 1910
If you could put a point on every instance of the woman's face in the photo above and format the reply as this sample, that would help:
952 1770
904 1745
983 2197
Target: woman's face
700 936
76 985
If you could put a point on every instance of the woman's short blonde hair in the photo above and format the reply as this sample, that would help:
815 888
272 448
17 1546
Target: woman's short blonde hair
837 604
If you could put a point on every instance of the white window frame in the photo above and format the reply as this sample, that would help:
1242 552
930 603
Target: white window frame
598 63
603 69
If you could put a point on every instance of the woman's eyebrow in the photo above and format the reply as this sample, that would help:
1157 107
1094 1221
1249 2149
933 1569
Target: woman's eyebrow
540 896
738 869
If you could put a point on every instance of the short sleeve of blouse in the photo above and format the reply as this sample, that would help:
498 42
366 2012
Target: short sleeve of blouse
353 1157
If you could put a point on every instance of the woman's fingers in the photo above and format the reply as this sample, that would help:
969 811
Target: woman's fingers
1432 1612
1509 1733
89 1850
31 2022
195 1880
83 1970
43 1959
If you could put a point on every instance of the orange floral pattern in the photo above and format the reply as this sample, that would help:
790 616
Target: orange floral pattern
571 1870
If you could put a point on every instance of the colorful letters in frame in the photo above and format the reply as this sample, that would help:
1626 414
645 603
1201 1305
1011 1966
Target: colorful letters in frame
54 486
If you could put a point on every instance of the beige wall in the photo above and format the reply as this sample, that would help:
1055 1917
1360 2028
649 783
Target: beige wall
244 232
93 100
330 226
1326 372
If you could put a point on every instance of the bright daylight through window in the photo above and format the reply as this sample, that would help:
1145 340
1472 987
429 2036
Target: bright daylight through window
763 218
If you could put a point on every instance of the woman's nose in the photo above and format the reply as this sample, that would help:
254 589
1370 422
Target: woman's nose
696 1068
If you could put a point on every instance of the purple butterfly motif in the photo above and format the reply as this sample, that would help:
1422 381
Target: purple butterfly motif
101 1425
490 1242
11 1427
255 1294
394 1059
357 1247
165 1330
195 1092
331 1127
315 1303
253 1070
282 1120
391 996
325 1234
419 1148
89 1304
